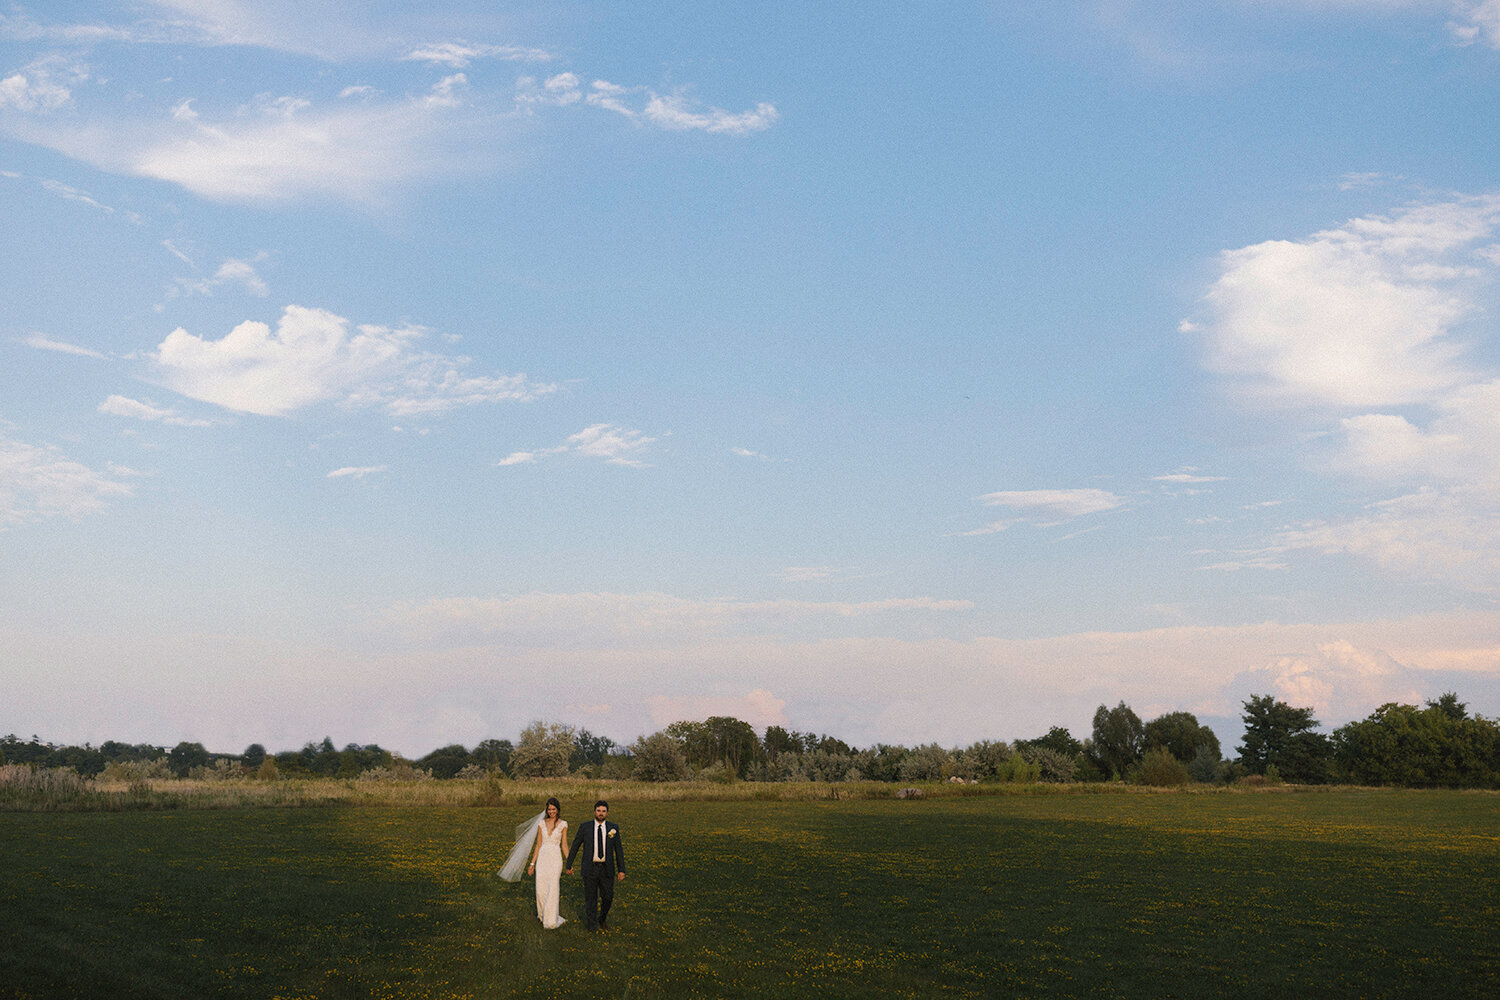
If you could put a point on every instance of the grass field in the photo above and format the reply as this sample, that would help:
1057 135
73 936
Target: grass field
1330 894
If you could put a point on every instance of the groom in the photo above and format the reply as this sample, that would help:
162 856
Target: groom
603 865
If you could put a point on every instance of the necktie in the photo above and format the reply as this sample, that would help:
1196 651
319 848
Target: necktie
598 841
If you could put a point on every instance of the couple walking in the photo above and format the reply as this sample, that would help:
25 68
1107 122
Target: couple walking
543 836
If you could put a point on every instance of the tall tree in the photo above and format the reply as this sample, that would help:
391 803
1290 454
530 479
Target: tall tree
1117 738
543 751
1181 735
1280 736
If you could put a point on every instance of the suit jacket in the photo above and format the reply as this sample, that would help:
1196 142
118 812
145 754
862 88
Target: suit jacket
614 853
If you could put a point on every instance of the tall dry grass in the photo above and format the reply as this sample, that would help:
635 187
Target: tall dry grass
30 789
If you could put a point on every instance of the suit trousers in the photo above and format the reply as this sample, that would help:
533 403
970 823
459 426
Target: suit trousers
598 893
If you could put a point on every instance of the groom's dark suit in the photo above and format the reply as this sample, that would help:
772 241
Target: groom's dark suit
598 877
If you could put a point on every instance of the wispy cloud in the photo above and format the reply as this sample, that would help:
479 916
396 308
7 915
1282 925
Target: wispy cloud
314 356
806 574
1046 508
234 272
1186 477
38 482
280 149
460 54
546 618
614 444
674 112
42 86
42 343
357 471
123 406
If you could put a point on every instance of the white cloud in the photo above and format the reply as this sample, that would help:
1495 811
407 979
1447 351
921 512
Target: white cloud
558 91
674 112
616 445
122 406
233 271
518 458
1367 316
1445 534
461 54
357 472
1339 680
314 356
42 343
39 482
1186 477
1061 503
1357 316
43 86
805 574
284 148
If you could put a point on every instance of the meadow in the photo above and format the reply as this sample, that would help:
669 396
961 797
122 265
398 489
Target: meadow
1333 893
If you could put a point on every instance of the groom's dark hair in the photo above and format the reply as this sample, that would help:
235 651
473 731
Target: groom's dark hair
601 802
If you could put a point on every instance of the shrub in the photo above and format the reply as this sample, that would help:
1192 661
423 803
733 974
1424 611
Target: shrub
1158 768
1048 765
29 787
658 758
130 771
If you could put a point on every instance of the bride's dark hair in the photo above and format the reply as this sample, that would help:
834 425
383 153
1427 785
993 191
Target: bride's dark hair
553 802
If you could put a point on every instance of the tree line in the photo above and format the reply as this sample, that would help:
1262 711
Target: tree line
1438 745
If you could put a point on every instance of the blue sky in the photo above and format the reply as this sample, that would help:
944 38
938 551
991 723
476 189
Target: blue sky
907 372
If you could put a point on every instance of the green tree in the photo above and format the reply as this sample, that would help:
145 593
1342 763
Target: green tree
1280 736
1439 745
253 755
1117 739
590 750
185 756
778 741
1180 734
445 762
493 754
543 751
928 762
658 757
1159 768
1058 739
719 739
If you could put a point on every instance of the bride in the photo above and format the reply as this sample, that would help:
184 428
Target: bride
549 832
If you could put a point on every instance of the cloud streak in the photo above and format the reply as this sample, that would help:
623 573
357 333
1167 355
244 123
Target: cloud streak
615 445
314 356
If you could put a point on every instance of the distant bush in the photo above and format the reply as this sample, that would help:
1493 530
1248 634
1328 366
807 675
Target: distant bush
1047 764
658 758
1159 769
128 771
25 786
222 769
400 770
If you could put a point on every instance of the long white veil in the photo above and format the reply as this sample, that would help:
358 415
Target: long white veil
520 855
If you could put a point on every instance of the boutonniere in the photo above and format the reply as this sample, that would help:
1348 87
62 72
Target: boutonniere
611 833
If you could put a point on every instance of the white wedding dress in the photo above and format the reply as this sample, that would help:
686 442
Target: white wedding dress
549 863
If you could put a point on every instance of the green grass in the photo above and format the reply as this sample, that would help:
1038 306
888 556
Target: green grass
1331 894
